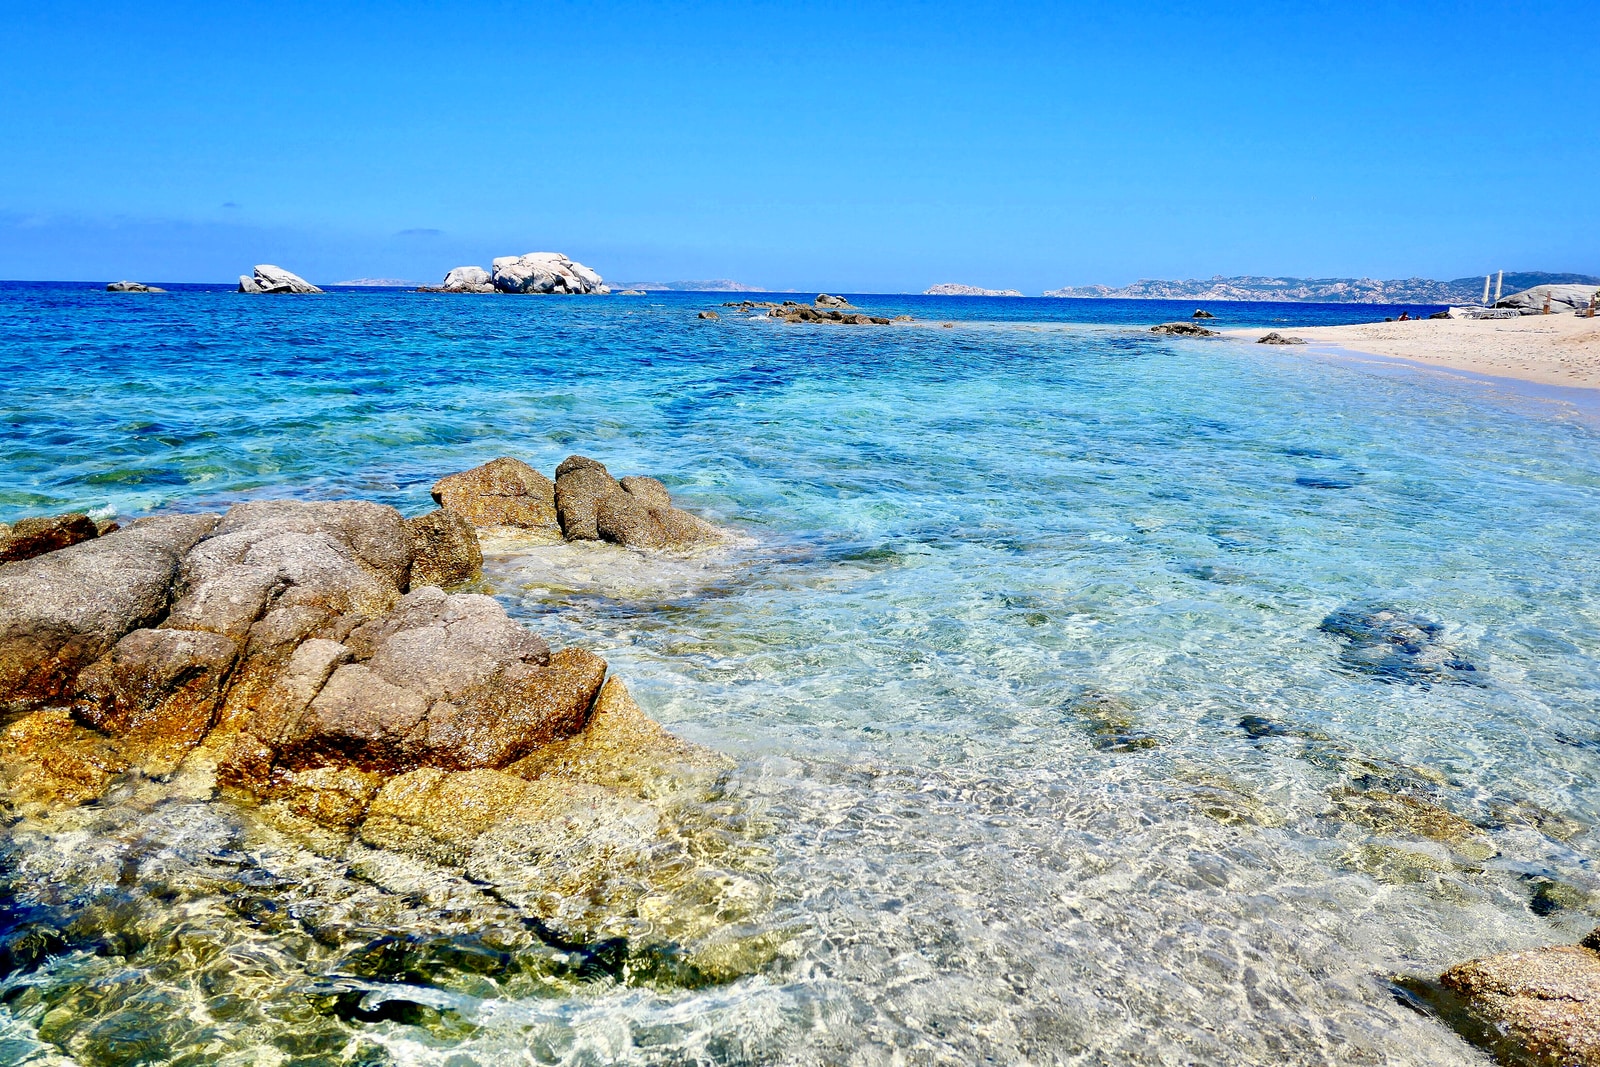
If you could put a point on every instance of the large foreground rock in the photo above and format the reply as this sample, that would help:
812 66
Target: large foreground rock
544 272
443 680
61 611
158 692
1546 999
270 279
501 492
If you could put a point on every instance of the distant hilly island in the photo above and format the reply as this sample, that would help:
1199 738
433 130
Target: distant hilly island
711 285
1322 290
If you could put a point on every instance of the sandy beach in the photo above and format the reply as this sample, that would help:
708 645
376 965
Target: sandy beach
1547 349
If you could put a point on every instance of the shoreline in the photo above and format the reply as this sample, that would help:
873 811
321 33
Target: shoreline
1557 351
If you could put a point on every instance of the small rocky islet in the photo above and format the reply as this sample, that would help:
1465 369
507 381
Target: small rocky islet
280 720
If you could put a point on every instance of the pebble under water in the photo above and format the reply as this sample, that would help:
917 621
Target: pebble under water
1093 697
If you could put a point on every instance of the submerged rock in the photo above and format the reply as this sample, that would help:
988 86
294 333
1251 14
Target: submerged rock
1396 646
544 272
35 536
270 279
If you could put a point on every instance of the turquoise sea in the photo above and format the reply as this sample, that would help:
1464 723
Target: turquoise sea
1052 661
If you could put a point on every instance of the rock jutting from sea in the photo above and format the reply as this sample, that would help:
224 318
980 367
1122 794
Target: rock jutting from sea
133 287
316 668
535 272
824 309
269 279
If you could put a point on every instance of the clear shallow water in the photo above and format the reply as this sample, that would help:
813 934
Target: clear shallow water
1010 589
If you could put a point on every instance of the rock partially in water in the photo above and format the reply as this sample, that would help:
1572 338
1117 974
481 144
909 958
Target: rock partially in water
1547 1000
1202 313
790 311
63 610
1276 338
581 484
445 549
133 287
635 512
32 537
464 280
708 315
269 279
823 300
544 272
501 492
1183 329
1396 646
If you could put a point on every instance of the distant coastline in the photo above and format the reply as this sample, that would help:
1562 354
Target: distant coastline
1319 290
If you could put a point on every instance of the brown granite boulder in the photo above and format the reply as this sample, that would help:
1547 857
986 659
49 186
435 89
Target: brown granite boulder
63 610
157 692
276 573
502 492
446 549
635 512
581 484
36 536
443 680
1546 999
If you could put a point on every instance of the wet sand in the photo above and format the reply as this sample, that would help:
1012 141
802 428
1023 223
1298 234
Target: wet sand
1561 350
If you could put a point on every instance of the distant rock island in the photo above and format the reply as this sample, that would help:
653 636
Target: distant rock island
956 289
711 285
380 283
1318 290
535 272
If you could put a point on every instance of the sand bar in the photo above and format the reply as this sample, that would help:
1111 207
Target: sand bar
1547 349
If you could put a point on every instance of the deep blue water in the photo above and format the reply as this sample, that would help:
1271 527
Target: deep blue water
1025 658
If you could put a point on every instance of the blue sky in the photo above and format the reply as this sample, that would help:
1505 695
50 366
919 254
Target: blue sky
858 147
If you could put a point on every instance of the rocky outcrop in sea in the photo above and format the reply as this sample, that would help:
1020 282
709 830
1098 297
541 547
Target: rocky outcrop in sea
535 272
324 678
133 287
269 279
824 309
